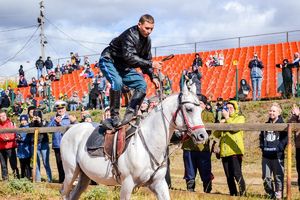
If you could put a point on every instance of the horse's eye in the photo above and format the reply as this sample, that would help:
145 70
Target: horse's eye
189 109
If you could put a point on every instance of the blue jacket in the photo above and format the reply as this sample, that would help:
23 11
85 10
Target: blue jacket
57 136
256 68
24 142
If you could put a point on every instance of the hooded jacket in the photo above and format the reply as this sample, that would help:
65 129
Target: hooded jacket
273 143
231 142
7 140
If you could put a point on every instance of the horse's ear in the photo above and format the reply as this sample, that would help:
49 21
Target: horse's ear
192 87
185 87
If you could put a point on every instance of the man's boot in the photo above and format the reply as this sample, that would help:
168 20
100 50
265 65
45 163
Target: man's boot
114 121
134 105
190 185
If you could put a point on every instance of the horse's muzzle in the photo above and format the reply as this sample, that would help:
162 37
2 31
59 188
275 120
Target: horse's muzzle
199 136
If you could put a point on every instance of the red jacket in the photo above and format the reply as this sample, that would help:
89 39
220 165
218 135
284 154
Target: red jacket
7 140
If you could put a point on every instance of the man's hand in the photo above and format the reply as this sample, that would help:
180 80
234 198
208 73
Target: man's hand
156 83
157 64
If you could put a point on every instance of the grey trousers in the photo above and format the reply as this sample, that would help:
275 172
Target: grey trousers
275 168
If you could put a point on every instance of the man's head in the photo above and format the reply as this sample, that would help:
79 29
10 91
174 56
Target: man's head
3 116
197 55
146 25
60 107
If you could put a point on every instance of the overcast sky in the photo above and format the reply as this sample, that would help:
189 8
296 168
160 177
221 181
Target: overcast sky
85 26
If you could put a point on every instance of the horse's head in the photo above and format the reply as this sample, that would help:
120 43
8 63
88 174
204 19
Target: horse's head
190 121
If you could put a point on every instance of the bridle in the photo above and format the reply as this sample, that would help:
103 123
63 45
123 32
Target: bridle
188 128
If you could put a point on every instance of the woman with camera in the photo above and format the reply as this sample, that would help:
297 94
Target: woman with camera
231 149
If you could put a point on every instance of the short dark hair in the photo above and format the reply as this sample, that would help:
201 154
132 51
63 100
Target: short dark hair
146 18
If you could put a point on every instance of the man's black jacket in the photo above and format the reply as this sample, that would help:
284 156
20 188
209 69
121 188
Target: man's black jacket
130 50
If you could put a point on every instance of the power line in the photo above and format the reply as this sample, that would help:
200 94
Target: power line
83 41
27 42
76 41
17 29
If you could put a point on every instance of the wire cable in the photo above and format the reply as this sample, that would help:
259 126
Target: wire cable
15 55
76 41
17 29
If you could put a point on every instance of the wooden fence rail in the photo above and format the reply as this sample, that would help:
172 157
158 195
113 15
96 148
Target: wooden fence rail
289 127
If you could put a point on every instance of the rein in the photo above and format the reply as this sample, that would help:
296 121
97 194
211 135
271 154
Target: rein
188 130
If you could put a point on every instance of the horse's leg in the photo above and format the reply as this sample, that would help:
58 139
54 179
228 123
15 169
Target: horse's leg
126 188
83 183
70 177
160 189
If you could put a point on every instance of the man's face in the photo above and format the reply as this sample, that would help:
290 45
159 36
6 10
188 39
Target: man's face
3 117
145 28
61 111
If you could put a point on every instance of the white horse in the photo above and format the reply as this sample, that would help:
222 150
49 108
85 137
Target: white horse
143 163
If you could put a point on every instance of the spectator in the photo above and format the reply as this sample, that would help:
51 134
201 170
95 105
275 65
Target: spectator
43 150
244 90
41 87
61 119
21 71
144 108
197 157
85 100
93 96
22 82
256 74
48 64
296 119
39 64
47 87
216 60
296 60
195 75
287 76
24 153
88 73
11 93
8 147
167 85
58 72
73 60
221 59
74 101
153 101
87 118
210 61
197 62
106 114
219 109
231 150
272 144
5 100
100 82
19 97
33 87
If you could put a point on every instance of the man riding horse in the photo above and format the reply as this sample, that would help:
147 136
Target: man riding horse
130 50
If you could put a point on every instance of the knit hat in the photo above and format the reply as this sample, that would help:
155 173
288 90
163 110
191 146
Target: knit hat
24 117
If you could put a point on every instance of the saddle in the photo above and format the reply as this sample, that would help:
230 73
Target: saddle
111 143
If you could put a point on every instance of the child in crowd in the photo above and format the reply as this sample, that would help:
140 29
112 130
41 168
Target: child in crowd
24 153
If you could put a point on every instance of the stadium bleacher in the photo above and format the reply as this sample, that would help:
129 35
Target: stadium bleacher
216 81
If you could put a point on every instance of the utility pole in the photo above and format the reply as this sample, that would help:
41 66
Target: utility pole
41 21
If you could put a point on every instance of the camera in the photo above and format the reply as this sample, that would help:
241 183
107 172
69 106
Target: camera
225 107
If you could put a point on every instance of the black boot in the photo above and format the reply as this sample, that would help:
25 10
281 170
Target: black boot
190 185
134 105
114 121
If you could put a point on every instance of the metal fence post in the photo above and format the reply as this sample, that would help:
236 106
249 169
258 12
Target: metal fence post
35 143
289 164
